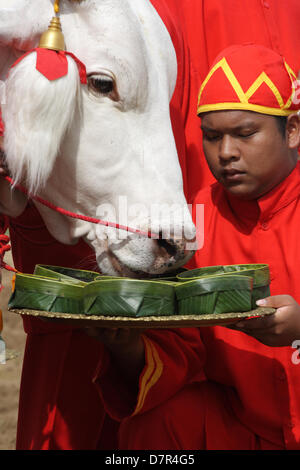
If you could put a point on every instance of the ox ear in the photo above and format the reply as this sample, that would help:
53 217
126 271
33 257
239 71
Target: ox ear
37 114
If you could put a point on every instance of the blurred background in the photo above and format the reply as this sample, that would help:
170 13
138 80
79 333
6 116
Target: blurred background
10 373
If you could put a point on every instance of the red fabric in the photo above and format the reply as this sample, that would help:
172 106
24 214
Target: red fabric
54 64
199 417
4 245
251 397
51 64
247 63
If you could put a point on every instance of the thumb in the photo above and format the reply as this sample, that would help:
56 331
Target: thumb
276 301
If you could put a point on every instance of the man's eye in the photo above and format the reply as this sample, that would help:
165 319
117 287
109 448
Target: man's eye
211 137
247 134
103 85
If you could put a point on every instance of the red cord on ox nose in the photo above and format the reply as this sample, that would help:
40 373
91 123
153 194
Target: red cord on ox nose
92 220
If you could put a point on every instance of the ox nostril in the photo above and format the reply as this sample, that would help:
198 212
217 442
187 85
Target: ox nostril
169 245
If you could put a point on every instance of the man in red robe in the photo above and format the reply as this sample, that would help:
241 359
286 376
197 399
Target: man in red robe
249 400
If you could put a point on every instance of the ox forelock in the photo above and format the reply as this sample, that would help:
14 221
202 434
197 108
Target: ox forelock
37 115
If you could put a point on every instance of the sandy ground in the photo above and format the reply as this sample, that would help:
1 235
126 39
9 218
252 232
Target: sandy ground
10 373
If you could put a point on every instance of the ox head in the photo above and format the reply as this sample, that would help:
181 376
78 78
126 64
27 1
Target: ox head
105 149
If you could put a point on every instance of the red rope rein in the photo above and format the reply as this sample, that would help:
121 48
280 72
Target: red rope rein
92 220
4 239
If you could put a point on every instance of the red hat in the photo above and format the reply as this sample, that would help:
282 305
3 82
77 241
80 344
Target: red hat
252 78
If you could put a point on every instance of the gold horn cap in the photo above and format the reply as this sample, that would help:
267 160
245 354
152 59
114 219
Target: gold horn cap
53 38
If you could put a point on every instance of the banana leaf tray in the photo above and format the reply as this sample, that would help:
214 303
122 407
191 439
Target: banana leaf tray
172 321
85 298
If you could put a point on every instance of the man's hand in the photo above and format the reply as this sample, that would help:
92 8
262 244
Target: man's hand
279 329
126 348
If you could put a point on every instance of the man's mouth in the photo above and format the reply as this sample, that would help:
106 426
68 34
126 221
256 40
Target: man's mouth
232 175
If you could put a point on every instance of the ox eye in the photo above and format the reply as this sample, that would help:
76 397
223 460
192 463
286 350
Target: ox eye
103 85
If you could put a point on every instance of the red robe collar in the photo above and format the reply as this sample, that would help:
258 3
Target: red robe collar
266 206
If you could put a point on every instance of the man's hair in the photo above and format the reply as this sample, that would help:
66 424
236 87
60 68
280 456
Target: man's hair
281 123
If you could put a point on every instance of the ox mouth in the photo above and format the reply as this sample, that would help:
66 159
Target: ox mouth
168 264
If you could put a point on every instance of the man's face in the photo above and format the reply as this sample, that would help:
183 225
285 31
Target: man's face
246 152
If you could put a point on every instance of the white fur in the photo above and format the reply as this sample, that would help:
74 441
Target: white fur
38 114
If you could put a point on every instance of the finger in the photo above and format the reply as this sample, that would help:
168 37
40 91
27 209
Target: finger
261 323
276 301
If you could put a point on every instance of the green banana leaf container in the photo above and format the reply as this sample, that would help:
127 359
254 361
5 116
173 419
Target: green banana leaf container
46 294
129 298
214 294
103 297
74 276
260 274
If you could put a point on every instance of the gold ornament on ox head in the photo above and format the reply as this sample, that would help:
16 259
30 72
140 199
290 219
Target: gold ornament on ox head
53 38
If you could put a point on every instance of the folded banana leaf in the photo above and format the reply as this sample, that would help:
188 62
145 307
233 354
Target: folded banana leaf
48 294
214 294
74 276
111 297
260 274
129 297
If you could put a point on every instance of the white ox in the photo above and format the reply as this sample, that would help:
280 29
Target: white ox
110 139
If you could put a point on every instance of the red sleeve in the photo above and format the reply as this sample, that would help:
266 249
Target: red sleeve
173 359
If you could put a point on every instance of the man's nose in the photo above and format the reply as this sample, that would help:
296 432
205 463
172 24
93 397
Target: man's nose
228 149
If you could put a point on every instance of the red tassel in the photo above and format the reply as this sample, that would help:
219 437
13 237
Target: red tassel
51 64
54 64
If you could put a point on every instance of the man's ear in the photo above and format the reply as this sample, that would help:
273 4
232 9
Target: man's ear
293 130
